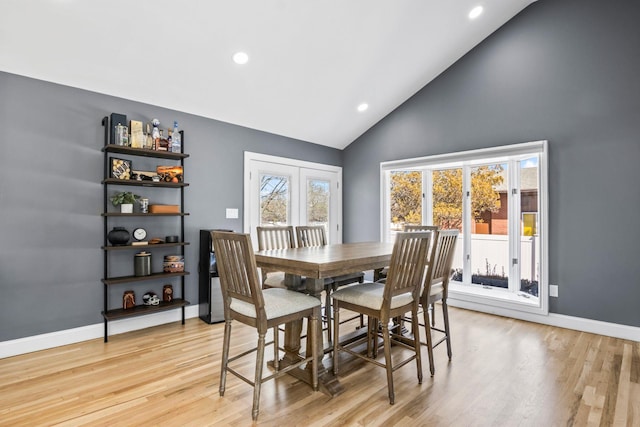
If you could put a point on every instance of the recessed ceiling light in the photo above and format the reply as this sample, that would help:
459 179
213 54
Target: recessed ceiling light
475 12
363 107
240 58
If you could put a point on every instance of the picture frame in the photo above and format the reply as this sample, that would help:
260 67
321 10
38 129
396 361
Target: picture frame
120 168
170 173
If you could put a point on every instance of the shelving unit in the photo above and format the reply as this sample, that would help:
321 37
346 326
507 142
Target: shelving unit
110 311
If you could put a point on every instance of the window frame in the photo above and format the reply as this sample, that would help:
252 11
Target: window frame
476 296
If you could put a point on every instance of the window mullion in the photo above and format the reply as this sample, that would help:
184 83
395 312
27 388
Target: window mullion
427 197
466 224
514 224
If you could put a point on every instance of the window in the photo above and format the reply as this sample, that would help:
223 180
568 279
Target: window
496 198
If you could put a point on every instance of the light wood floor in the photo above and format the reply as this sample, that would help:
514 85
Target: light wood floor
504 373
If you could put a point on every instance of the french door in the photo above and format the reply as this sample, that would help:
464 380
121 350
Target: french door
282 191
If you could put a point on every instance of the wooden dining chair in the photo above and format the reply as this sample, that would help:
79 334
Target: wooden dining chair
382 274
315 236
436 288
245 301
274 237
384 301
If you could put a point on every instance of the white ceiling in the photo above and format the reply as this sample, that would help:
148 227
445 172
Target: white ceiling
312 62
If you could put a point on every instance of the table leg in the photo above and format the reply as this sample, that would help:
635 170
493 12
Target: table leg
327 382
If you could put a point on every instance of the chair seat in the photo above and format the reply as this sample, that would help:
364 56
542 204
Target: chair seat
436 289
277 303
275 280
370 295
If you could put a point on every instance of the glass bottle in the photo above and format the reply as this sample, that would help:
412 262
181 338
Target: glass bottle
155 134
176 143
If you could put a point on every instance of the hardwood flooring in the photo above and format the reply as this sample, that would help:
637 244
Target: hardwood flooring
504 372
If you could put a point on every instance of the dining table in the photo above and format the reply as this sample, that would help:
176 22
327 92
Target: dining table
306 270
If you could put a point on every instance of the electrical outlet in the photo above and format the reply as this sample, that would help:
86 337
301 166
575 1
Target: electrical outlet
553 291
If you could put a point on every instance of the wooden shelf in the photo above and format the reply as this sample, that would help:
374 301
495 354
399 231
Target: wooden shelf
130 247
112 148
116 181
141 310
144 214
130 279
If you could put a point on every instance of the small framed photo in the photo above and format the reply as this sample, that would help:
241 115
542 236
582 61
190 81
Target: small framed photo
120 168
170 173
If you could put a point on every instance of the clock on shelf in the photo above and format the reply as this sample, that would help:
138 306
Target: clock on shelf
139 233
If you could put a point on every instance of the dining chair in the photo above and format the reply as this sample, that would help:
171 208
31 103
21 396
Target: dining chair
316 236
384 301
274 237
382 275
436 288
246 302
420 227
406 227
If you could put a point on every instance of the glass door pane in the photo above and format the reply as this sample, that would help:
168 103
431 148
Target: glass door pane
275 197
490 226
529 236
405 200
446 195
318 202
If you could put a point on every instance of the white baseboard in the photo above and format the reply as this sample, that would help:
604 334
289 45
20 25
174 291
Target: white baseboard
84 333
560 320
89 332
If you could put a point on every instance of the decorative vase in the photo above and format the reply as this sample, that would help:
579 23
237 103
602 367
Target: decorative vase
119 236
126 208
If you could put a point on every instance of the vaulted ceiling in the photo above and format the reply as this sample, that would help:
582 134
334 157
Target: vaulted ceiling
311 63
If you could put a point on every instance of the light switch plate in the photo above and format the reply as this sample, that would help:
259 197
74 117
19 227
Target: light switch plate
553 291
232 213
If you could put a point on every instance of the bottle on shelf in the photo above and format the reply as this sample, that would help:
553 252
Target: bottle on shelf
176 143
148 139
155 134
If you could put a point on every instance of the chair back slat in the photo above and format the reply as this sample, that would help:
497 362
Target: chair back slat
237 269
407 267
311 236
275 237
409 227
441 259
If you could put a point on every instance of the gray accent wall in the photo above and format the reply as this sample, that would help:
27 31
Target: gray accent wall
567 71
51 197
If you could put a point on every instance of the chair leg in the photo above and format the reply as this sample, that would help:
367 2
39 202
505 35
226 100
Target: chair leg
374 336
258 377
445 314
432 308
387 360
416 342
276 348
225 356
336 336
370 335
314 349
427 330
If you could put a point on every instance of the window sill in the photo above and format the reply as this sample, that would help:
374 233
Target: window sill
495 297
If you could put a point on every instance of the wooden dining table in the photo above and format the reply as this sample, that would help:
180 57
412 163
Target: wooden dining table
315 264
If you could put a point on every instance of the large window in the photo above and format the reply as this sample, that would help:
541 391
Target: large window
496 198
